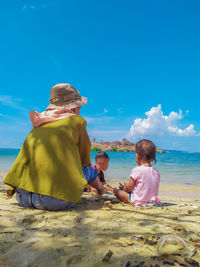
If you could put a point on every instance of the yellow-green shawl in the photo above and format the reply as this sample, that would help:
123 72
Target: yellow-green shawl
51 159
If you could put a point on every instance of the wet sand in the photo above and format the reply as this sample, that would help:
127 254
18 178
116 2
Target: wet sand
83 235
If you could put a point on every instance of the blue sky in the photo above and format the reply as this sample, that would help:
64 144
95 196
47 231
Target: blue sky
137 62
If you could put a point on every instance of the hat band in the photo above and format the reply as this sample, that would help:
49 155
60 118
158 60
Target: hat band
66 99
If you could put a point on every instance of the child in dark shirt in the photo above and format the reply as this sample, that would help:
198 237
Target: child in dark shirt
102 162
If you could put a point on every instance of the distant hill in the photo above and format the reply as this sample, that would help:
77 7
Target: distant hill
124 145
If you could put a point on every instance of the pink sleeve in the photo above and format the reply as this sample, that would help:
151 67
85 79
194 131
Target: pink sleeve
134 174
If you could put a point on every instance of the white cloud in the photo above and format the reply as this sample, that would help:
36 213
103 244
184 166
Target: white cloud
2 115
40 4
28 7
98 120
156 124
107 135
189 131
11 102
105 110
89 119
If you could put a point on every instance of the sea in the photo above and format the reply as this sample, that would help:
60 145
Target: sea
175 167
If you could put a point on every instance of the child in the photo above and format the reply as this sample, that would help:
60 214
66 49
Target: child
102 162
144 179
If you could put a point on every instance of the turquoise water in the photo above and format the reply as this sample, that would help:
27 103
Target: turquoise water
175 167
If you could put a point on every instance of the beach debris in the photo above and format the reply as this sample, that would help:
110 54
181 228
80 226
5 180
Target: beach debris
107 204
186 262
107 257
190 211
144 240
192 262
169 263
140 264
128 264
195 239
175 218
151 240
78 219
28 220
172 244
74 259
197 246
137 237
120 244
179 228
194 252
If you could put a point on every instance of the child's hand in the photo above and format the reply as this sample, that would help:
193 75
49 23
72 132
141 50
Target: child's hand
122 186
115 191
100 193
107 188
93 190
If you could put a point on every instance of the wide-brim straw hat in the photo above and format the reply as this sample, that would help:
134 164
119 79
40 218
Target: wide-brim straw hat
66 96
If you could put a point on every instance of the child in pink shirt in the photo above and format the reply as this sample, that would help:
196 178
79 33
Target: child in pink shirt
144 179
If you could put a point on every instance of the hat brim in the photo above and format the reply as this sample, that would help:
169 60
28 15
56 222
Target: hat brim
75 104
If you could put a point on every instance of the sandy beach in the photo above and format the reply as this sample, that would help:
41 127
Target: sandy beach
102 232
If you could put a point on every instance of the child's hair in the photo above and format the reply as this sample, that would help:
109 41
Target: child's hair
101 155
146 150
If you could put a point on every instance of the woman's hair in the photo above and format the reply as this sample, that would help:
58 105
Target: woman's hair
146 150
74 109
101 155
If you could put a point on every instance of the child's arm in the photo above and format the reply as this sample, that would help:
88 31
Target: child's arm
127 187
90 188
100 190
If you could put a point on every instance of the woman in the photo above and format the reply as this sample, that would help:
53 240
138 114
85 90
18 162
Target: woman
54 165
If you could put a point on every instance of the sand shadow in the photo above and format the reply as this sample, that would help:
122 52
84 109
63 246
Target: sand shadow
167 204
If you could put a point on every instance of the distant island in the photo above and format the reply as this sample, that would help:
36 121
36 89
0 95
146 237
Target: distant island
124 145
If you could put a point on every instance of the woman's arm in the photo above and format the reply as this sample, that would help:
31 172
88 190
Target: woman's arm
84 146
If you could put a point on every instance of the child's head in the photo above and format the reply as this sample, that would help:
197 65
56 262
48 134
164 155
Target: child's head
145 151
102 160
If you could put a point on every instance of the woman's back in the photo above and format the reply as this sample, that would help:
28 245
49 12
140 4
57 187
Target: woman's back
51 159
